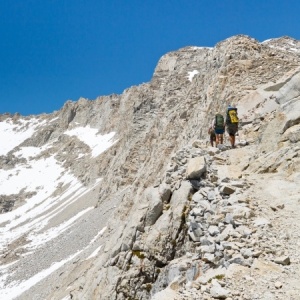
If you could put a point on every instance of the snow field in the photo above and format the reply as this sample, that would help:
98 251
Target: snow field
41 177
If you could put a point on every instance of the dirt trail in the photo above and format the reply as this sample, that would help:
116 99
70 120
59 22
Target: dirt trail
275 201
275 198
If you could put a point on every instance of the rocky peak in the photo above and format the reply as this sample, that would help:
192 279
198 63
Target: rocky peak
285 43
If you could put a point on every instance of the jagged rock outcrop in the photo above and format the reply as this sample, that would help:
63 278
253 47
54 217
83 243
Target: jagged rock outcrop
170 215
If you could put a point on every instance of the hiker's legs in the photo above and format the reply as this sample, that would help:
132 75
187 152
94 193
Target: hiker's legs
232 130
212 139
232 140
219 139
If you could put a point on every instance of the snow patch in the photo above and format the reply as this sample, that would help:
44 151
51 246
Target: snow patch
94 254
39 175
30 152
90 136
267 41
198 48
12 135
99 234
93 240
36 212
192 74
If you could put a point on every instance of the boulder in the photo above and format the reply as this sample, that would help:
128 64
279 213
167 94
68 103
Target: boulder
227 190
198 144
213 230
155 206
197 197
165 192
292 134
238 259
196 168
217 291
246 252
289 91
166 228
282 260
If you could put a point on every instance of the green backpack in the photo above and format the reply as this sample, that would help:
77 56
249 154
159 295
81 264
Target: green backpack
219 122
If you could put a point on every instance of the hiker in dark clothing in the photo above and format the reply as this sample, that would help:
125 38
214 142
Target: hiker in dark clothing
232 122
212 135
219 125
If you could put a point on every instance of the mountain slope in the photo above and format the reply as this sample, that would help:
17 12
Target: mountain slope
96 203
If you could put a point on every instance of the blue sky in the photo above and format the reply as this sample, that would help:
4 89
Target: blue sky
55 50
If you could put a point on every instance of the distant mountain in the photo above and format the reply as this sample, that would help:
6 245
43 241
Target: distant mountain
122 197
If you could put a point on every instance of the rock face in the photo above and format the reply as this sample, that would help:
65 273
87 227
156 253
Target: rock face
136 205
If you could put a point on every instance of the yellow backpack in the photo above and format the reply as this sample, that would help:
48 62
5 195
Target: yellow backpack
232 117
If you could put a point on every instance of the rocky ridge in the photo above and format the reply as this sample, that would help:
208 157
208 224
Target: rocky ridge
184 220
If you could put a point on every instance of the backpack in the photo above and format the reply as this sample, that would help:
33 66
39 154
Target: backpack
232 117
219 122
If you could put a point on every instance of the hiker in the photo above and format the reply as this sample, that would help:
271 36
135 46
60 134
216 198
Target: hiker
232 122
212 135
219 126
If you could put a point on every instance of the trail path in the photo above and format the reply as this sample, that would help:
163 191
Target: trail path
275 201
275 198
